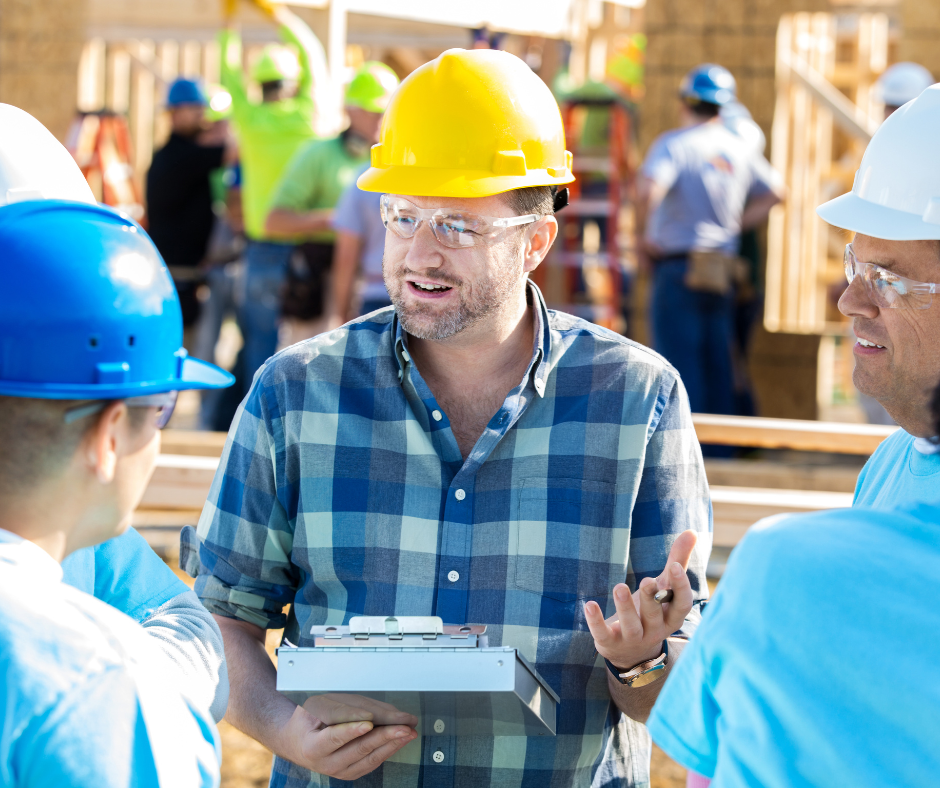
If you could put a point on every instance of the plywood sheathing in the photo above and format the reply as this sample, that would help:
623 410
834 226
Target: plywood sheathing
40 46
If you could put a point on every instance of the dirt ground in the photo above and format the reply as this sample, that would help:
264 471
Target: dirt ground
247 764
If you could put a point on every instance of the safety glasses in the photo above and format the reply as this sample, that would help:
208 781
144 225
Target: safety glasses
165 403
452 227
886 289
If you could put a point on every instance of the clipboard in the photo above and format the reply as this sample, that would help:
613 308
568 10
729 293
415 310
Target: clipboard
446 675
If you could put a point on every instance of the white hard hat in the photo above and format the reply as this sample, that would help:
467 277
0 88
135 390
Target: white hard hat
896 194
34 165
738 120
901 83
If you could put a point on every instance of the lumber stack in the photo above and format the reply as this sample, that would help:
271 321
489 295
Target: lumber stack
743 492
738 34
920 32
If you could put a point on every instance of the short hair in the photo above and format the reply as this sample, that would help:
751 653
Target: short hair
539 200
703 109
38 444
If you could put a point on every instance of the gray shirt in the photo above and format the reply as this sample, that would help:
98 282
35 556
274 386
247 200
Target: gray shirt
709 174
358 213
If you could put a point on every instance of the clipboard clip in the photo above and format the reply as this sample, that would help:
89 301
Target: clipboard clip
400 631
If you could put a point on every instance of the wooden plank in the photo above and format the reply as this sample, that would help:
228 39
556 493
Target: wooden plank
180 482
794 434
757 433
736 509
197 442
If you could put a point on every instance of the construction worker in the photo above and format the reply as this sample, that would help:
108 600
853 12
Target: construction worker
113 691
900 83
269 134
467 454
786 689
303 202
179 194
892 265
698 188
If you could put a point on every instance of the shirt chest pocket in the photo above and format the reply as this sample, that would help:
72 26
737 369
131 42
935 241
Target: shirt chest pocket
563 542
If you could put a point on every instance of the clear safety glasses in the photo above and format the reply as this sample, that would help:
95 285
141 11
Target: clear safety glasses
164 403
887 290
452 227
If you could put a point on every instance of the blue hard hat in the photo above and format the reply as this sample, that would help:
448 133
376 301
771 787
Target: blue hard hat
186 91
88 309
709 83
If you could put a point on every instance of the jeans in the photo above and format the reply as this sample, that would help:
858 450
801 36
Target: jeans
695 332
265 270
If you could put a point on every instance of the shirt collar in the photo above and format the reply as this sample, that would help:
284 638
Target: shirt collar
23 554
927 445
541 351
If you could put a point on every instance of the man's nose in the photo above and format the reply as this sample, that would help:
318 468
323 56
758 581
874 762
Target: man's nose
856 301
425 251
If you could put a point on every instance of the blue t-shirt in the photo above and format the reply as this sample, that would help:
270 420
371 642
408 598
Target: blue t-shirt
709 174
89 700
899 473
358 213
125 573
816 662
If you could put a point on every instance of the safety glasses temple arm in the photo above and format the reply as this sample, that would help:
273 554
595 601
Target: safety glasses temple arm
515 220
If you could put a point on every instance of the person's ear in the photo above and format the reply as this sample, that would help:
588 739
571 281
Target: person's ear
539 240
101 443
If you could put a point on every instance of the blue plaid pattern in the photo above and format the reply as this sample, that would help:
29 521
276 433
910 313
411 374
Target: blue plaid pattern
342 492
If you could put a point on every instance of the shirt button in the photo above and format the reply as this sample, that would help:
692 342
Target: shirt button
453 576
503 417
460 495
438 756
404 355
436 415
438 726
400 374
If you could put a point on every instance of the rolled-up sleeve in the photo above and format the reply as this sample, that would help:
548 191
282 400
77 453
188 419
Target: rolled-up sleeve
673 497
240 551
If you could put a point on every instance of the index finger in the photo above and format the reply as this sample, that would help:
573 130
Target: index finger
331 710
382 713
682 548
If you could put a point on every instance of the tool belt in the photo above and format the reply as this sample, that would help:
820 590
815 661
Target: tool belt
715 272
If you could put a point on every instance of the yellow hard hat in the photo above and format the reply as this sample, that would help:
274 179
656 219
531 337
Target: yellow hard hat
276 63
469 124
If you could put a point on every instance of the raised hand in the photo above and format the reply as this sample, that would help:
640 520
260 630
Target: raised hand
635 633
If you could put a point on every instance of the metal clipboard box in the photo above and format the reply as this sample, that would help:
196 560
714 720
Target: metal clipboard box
447 676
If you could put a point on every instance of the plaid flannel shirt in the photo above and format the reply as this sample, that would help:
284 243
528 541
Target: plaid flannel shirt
342 492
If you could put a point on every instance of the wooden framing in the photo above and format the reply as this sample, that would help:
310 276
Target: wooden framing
825 114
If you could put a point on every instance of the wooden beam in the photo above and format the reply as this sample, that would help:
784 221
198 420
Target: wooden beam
198 442
794 434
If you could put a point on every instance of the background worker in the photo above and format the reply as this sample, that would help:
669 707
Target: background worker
696 191
269 134
91 329
179 193
360 247
900 83
303 202
470 455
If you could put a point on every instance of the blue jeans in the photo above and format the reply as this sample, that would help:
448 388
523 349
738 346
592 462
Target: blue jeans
265 269
695 332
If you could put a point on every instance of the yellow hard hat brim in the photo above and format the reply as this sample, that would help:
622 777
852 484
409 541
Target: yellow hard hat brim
430 182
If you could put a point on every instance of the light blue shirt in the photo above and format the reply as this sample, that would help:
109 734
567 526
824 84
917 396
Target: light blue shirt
125 573
709 174
902 469
89 700
816 662
358 213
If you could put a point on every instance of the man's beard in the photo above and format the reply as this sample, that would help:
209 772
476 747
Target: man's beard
424 321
